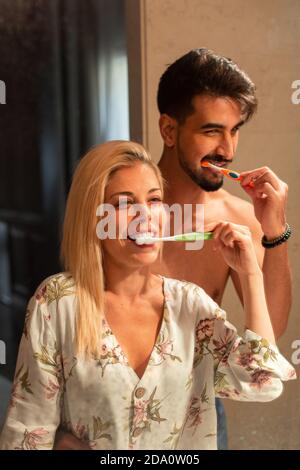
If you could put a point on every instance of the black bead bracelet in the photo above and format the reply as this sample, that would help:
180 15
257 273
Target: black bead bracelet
279 240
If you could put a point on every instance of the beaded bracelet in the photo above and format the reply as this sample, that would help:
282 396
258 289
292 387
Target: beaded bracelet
277 241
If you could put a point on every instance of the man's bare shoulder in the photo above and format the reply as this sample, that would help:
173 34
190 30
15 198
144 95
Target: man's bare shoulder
235 203
239 211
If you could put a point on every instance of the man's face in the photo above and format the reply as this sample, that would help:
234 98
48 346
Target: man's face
211 134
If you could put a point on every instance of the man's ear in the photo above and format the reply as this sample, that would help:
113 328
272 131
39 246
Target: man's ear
168 129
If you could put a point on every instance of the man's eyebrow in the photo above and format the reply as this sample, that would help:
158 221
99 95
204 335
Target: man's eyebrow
215 125
128 193
239 124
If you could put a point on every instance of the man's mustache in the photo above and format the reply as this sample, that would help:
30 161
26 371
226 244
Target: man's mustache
217 158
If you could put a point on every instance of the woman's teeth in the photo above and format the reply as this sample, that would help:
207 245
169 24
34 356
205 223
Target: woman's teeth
142 238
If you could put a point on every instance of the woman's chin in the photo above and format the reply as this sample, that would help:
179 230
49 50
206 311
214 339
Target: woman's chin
146 258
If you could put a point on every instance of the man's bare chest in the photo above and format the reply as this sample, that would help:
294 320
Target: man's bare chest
203 267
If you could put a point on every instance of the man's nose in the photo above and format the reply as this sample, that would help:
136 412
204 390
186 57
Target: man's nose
227 147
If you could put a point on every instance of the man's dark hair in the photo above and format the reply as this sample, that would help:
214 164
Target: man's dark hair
202 72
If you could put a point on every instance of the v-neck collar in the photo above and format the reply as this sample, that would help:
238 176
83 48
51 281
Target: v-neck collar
162 326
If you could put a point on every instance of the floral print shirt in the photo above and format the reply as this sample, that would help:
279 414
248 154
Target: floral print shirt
197 356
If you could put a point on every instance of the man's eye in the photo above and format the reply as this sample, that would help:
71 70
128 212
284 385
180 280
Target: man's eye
211 132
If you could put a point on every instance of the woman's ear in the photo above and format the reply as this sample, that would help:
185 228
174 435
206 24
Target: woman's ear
168 129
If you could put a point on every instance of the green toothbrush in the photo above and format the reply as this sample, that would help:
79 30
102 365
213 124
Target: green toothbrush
183 237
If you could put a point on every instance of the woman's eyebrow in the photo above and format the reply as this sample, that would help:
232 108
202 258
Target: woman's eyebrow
122 193
154 189
129 193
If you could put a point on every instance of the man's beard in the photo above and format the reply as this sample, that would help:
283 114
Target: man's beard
198 176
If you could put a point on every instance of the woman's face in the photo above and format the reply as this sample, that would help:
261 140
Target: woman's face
136 197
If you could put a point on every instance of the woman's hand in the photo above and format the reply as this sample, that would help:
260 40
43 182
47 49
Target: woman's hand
66 441
235 243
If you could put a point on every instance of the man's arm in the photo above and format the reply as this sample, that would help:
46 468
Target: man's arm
277 281
267 217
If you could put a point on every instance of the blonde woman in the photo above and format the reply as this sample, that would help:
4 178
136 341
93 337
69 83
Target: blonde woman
126 359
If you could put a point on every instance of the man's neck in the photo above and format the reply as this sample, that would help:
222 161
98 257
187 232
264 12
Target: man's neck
180 188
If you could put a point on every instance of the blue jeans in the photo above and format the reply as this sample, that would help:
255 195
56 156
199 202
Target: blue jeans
221 426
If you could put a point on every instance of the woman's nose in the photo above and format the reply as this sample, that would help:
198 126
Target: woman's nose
145 213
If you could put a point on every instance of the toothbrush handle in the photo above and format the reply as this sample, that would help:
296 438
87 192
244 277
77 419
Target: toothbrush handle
193 236
233 175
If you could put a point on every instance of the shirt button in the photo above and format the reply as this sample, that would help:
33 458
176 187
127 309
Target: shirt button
140 392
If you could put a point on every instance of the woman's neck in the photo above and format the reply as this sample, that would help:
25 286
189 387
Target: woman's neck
128 283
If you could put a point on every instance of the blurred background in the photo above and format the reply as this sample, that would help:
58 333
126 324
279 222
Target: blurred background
79 72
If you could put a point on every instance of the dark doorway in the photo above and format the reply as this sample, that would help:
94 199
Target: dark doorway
64 65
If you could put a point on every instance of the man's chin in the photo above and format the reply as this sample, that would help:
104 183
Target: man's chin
201 180
206 184
209 186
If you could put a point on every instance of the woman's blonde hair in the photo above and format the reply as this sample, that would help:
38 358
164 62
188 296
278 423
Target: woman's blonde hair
81 251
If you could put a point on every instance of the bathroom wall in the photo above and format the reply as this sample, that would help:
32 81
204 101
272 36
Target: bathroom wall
263 37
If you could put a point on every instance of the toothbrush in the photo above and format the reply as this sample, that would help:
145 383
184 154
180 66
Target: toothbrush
184 237
233 175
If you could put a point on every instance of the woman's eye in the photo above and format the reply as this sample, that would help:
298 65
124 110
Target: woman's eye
122 204
156 199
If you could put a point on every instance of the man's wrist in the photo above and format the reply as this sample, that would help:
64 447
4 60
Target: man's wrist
275 232
282 238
